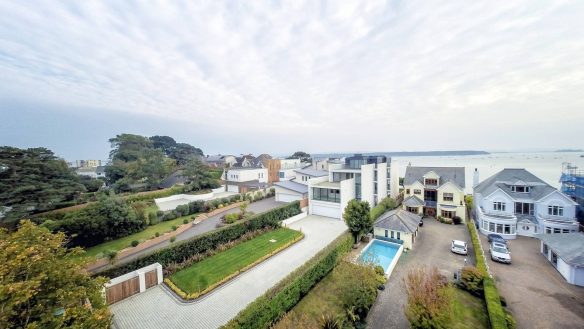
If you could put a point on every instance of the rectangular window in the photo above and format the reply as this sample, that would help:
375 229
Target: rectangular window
431 181
491 227
448 196
520 189
507 229
386 233
555 211
499 228
523 208
548 230
557 230
398 235
407 191
418 192
499 206
565 231
392 234
448 214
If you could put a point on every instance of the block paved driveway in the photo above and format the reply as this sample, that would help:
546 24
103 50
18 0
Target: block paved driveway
432 248
156 308
205 226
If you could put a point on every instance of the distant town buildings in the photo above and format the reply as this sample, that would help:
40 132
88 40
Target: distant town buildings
87 163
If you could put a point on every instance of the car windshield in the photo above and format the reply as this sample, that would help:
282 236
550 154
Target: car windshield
456 245
501 250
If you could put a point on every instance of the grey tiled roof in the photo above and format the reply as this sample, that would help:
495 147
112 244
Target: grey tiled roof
413 201
507 177
293 186
312 172
398 220
447 174
568 246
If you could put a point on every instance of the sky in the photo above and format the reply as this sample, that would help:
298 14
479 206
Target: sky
281 76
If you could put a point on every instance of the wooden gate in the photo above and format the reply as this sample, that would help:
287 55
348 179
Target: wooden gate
151 278
122 290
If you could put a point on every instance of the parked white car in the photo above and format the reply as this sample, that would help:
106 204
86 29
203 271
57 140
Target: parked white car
459 247
500 253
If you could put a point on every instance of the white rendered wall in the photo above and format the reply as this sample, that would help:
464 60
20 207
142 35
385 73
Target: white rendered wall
347 192
367 177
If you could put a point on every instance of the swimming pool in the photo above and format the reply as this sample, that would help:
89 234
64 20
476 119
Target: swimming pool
381 253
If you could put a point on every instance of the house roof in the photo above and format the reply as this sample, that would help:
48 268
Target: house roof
398 220
568 246
293 186
507 177
447 174
312 172
413 201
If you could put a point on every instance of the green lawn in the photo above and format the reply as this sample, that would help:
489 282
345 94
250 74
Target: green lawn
211 270
121 243
469 311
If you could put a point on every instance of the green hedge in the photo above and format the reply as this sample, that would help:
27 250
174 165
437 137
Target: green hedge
492 299
208 241
271 306
384 205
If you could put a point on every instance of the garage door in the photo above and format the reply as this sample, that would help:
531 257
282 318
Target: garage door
334 212
233 188
283 197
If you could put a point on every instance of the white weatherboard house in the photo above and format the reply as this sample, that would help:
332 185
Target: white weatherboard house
398 226
515 202
566 253
244 179
359 177
296 188
435 191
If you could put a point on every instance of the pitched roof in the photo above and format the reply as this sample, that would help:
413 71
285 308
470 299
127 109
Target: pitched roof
293 186
413 201
568 246
507 177
173 179
447 174
398 220
312 172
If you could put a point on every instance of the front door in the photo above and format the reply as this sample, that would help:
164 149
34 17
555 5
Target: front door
431 212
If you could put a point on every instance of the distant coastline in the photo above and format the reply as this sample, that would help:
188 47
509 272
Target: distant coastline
570 150
402 154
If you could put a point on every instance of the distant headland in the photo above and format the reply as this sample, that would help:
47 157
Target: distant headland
402 154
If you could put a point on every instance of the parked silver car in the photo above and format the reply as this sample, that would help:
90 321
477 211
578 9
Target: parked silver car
500 253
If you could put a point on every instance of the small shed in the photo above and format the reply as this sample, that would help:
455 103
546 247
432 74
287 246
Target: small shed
565 251
399 226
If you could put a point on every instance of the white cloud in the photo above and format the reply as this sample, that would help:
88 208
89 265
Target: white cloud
332 75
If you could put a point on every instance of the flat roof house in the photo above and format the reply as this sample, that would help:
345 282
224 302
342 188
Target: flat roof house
242 180
399 226
435 191
516 202
566 253
296 187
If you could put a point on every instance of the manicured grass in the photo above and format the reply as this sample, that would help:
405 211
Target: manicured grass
121 243
219 266
468 311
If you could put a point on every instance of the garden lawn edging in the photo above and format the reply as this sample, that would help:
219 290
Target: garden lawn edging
189 297
271 306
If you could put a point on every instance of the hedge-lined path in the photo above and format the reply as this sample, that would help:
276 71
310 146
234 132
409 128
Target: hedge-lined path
156 308
432 248
205 226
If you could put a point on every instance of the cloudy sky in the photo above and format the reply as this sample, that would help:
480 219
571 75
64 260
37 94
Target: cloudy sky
272 76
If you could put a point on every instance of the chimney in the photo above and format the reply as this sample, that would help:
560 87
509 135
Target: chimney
475 178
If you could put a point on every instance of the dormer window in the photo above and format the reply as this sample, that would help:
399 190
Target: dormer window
431 181
520 189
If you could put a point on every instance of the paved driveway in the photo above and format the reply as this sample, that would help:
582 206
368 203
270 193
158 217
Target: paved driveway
155 308
537 295
432 248
205 226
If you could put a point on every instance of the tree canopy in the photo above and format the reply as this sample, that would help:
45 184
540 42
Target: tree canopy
357 216
43 286
303 156
34 180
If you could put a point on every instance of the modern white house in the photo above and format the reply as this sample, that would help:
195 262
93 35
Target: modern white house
566 253
288 168
358 177
244 179
93 172
295 188
516 202
435 191
399 226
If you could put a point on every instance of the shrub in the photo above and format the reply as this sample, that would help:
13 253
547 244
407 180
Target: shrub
358 291
159 213
471 280
153 219
225 201
169 216
182 210
281 298
235 198
135 243
172 239
185 221
173 227
379 270
231 218
157 234
220 206
208 241
429 299
457 220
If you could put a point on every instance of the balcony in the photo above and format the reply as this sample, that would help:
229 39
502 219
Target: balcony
498 216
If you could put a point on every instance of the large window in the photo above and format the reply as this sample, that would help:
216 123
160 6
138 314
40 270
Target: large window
555 211
358 186
498 228
499 206
522 208
520 189
281 174
431 181
448 196
325 194
448 214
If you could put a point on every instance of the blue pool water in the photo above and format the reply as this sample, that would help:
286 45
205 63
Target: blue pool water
380 253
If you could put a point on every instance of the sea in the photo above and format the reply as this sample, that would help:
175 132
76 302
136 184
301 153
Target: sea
545 165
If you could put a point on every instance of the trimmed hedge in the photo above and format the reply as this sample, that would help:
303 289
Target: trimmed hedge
270 307
208 241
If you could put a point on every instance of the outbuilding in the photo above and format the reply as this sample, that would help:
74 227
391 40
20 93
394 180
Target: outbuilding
566 253
288 191
399 226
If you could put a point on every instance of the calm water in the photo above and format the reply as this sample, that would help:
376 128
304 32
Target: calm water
379 252
545 165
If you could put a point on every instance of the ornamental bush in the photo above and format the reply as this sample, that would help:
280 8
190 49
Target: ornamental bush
181 251
471 280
